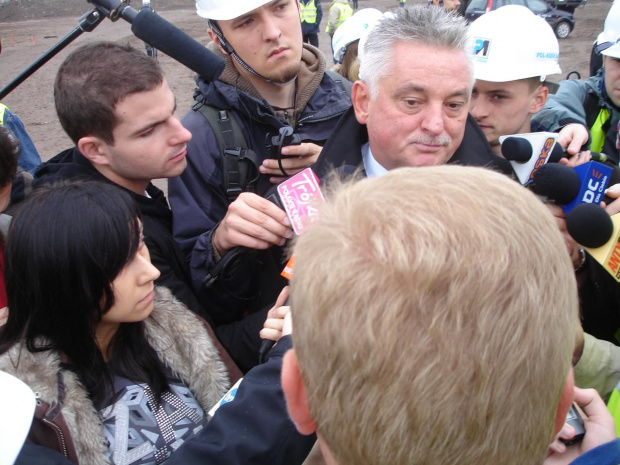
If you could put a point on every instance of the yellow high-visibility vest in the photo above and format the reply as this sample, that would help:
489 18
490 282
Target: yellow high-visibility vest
308 12
3 108
596 131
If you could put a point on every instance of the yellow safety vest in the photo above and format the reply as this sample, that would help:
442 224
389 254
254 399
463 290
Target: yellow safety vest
308 12
596 131
614 408
3 108
345 13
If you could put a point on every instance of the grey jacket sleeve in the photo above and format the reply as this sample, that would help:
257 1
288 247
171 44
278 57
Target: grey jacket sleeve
564 107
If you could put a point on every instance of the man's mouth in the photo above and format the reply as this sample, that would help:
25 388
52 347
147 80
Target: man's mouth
277 52
182 154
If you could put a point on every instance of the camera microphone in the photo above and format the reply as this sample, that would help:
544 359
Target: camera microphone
161 34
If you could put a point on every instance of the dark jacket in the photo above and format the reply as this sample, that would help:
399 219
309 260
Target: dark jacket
605 454
243 431
165 255
344 149
198 197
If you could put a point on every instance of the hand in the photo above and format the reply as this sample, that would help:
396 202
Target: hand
614 193
4 315
579 159
572 137
305 155
571 246
274 324
598 423
557 446
252 222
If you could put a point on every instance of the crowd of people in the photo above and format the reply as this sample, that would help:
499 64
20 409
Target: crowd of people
438 311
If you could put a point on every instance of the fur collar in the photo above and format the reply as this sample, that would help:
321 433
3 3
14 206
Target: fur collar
179 338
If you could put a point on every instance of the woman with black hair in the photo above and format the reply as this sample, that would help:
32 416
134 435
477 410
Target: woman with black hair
122 372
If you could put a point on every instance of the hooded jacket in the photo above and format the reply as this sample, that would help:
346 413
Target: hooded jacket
65 418
568 106
198 197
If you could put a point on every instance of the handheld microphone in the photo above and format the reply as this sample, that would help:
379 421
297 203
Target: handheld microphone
592 227
161 34
556 182
570 187
528 152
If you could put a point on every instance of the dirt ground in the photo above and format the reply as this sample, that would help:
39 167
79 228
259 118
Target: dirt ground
28 28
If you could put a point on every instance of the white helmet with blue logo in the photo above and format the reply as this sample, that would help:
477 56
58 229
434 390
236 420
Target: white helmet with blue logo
512 43
353 29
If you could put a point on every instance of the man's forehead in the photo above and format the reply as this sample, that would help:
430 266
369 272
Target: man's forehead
431 56
435 65
140 107
250 13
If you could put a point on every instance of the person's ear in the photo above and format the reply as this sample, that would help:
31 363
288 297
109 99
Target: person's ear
566 399
295 394
218 41
360 97
94 149
539 99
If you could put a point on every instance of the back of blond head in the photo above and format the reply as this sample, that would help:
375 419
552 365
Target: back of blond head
434 314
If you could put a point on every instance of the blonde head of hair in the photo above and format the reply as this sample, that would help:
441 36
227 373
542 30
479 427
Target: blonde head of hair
434 313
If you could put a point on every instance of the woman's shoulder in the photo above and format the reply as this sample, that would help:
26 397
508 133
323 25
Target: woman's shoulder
39 370
171 318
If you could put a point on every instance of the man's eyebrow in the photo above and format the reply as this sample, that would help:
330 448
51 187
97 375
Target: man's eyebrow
464 92
411 87
494 90
157 122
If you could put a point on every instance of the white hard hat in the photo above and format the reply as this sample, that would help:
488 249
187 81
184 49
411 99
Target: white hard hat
607 40
226 9
17 404
352 29
366 33
512 43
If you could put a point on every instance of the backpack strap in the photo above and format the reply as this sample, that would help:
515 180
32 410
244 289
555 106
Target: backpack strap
339 79
239 164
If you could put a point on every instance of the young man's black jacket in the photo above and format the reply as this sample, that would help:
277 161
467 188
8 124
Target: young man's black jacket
239 339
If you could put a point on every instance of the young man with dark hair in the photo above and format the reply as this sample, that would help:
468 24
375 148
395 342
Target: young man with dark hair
115 104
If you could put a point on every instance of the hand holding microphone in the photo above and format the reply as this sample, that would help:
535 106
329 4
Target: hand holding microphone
599 233
528 152
570 187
